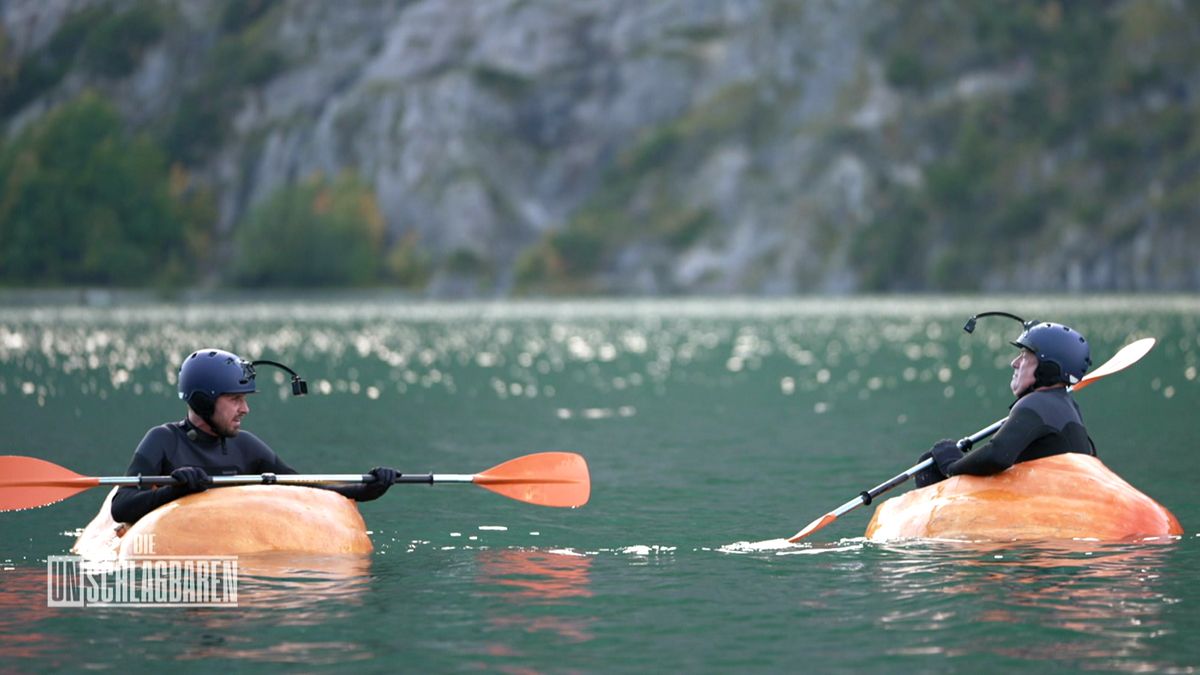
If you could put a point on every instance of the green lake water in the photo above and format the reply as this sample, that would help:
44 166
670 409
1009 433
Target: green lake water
710 427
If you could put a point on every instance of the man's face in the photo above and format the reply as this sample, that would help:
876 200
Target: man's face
1023 367
227 418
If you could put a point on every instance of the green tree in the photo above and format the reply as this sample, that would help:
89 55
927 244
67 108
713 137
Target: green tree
114 44
318 233
84 202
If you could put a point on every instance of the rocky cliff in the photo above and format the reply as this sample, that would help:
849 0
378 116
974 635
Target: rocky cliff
680 146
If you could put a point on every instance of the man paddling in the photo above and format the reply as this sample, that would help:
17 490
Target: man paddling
1044 420
210 440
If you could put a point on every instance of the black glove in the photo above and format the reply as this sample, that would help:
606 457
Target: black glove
944 453
191 479
384 477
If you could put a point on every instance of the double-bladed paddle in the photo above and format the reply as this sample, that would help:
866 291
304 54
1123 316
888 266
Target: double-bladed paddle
544 478
1127 356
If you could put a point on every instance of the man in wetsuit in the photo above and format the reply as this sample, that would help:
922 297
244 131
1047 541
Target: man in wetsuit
1044 420
210 440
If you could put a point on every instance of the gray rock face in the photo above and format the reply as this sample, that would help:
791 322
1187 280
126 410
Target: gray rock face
483 125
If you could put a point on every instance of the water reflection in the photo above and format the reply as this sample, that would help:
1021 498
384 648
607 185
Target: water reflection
274 590
538 595
22 612
533 575
1088 601
300 583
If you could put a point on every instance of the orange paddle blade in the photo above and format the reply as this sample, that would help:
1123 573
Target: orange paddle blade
544 478
813 527
28 482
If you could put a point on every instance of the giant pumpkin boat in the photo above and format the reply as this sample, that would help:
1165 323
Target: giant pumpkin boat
243 519
1068 496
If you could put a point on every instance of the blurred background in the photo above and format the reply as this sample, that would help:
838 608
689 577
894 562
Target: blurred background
498 148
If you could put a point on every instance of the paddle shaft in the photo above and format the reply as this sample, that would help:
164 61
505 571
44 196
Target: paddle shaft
290 479
865 497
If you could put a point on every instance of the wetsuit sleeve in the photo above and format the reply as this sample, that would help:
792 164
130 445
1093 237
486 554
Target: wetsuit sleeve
132 502
1022 428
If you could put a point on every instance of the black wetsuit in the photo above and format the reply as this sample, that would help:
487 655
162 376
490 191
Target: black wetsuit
1040 424
167 447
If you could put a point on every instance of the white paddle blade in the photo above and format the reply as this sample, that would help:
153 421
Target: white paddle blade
1127 356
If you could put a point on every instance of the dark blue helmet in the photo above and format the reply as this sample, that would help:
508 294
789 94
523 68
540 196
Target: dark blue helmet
208 373
1063 354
